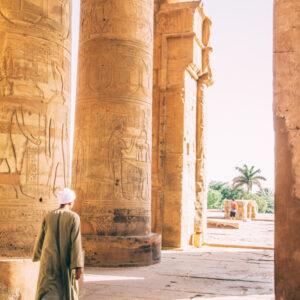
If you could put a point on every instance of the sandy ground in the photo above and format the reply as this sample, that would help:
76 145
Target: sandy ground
206 273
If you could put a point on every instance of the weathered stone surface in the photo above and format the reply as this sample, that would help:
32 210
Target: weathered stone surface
287 148
222 224
207 273
180 70
108 251
246 209
18 279
34 116
258 234
113 134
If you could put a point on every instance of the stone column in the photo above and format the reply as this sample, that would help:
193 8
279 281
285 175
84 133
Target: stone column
34 116
113 135
181 71
287 148
201 188
204 80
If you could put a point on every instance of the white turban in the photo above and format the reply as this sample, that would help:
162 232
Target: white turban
66 196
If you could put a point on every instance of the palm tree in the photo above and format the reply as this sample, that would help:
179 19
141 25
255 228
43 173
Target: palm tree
248 177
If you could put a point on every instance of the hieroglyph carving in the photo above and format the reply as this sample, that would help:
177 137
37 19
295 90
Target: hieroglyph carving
125 167
34 128
54 14
104 18
129 72
112 153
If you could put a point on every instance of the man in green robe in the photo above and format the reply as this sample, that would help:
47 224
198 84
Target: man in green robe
58 247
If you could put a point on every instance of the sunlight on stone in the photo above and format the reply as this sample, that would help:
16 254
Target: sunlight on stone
92 278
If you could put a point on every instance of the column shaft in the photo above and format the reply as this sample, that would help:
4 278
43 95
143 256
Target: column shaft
112 153
34 116
287 148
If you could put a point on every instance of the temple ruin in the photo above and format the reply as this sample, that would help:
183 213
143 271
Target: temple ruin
138 164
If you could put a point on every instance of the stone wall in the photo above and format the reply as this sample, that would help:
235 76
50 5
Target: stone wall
287 148
35 62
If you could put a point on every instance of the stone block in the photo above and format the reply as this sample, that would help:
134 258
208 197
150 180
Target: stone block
197 240
222 224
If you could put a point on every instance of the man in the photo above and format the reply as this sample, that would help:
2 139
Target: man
233 207
58 247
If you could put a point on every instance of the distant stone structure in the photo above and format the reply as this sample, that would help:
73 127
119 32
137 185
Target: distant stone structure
246 209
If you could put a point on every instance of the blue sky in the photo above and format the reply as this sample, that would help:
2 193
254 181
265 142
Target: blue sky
239 104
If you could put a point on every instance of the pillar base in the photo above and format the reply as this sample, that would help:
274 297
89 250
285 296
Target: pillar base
121 251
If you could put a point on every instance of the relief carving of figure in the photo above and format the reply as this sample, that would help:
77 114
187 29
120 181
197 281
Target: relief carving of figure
118 147
34 125
143 157
13 146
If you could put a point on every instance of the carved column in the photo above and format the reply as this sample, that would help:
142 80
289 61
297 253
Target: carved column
287 148
112 147
180 64
204 80
34 116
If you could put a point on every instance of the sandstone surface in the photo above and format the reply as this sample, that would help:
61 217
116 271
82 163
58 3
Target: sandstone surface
35 63
18 279
287 148
113 129
181 71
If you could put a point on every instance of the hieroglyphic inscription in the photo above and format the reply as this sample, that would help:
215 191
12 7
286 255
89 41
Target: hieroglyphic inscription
44 13
34 112
113 116
107 18
130 72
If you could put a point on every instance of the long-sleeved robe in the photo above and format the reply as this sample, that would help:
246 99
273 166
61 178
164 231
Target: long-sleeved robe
59 252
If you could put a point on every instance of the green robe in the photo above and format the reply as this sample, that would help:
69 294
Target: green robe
60 252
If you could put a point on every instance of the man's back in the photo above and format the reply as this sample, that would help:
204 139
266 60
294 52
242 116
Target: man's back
59 249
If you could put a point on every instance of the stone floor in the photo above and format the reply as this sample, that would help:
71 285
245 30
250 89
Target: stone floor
219 273
258 233
206 273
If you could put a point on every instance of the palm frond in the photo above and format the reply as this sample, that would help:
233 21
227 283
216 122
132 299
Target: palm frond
259 178
238 185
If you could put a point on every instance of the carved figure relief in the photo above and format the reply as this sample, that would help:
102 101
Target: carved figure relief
36 133
118 148
143 157
129 160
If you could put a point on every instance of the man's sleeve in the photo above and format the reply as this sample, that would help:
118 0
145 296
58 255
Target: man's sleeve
76 258
39 243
